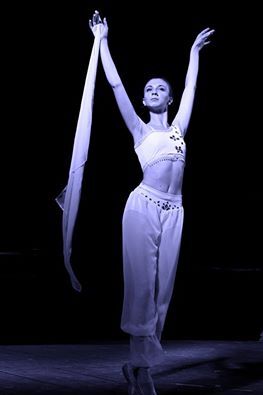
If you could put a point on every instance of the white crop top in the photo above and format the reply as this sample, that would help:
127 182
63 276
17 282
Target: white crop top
161 145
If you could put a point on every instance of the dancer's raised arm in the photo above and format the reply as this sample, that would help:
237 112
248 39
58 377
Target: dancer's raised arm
125 106
183 115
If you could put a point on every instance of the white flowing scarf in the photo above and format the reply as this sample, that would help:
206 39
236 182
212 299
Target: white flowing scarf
69 198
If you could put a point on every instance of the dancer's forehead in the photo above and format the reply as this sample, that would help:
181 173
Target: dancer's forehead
154 82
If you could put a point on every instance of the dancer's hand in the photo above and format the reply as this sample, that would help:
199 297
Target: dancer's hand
97 23
203 38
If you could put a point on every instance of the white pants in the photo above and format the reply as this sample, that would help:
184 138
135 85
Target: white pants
152 230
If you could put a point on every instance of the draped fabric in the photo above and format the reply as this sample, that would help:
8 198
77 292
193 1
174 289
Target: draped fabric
69 198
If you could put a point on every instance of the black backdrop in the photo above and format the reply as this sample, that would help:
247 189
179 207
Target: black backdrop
45 56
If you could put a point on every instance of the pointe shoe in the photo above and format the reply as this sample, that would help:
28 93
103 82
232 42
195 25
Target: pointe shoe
145 382
129 373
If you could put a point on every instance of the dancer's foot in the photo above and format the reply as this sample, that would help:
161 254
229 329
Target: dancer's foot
145 382
129 373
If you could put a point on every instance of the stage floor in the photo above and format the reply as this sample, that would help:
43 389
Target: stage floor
191 367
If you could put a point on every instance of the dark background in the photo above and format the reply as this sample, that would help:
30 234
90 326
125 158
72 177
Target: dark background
45 55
